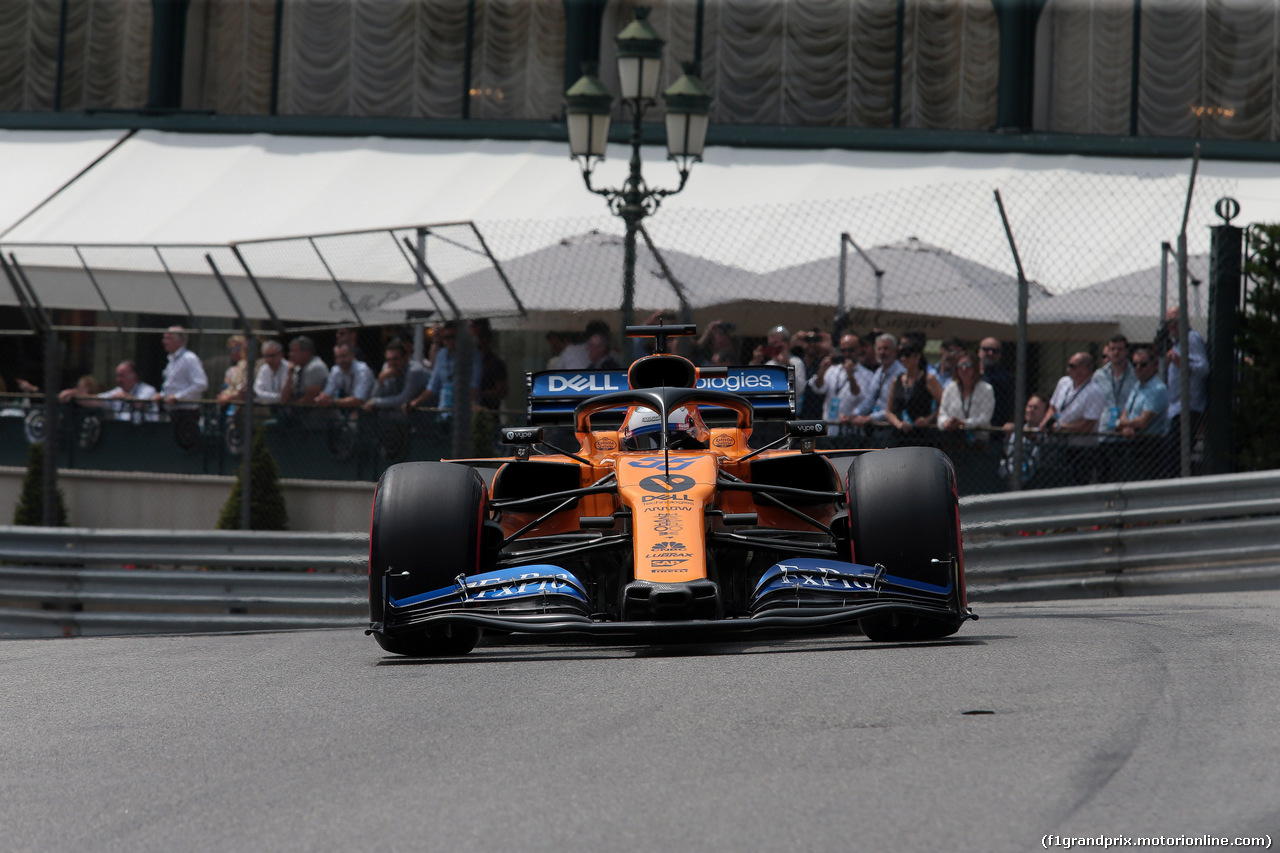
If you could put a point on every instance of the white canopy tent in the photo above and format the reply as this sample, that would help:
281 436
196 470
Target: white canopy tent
919 286
1132 301
182 189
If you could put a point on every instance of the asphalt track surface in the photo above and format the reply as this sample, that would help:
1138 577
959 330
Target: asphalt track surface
1138 716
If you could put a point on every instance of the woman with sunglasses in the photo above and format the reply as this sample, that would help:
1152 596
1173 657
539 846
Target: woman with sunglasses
913 401
968 402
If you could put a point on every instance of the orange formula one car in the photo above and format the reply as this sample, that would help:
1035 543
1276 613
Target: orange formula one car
664 522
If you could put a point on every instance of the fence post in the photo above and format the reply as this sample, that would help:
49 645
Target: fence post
1225 261
246 445
250 353
1020 369
52 379
1186 423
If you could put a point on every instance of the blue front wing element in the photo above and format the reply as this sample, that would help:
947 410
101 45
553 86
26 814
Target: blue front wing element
542 588
808 582
800 593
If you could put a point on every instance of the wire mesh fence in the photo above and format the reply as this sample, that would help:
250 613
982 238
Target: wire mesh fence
307 442
837 288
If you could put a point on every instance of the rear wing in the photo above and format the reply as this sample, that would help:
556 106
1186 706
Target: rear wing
554 394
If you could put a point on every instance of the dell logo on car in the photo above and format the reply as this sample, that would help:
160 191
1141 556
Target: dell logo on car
578 382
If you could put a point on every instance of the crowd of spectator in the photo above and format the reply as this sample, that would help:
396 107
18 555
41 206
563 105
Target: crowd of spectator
1118 419
293 374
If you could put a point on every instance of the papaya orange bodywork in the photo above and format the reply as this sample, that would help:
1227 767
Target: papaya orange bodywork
668 500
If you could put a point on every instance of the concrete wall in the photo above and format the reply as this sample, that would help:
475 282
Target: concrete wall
128 500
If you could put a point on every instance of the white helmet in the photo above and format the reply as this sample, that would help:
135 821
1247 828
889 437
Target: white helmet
685 429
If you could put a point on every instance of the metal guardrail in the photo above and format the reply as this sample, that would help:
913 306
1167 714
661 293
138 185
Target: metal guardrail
223 548
183 581
46 601
1136 538
1153 536
1123 503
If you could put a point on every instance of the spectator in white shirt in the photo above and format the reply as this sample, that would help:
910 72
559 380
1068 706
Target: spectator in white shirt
842 381
350 381
968 400
129 388
273 375
1076 404
1074 409
184 377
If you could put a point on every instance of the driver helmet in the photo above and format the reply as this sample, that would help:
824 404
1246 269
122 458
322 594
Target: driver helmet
685 429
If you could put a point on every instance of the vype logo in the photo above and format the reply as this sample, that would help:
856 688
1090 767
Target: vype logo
579 382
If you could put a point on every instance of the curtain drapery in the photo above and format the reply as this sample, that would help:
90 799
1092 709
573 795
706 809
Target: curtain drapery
832 62
1205 67
106 61
408 58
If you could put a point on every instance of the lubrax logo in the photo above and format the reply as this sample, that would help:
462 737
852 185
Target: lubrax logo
580 382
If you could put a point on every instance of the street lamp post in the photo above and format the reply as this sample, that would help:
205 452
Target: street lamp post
588 109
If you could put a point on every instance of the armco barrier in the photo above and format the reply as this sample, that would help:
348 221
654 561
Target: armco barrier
225 548
72 582
1135 538
1153 536
43 601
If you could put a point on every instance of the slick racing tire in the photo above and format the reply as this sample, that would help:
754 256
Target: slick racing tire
903 514
427 519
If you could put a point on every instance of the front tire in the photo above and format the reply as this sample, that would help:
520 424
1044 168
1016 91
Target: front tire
427 521
903 513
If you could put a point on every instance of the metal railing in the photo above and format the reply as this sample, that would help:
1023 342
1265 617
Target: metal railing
1165 536
313 442
307 442
1134 537
177 581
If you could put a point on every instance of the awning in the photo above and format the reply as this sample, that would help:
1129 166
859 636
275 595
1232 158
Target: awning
753 211
35 164
173 188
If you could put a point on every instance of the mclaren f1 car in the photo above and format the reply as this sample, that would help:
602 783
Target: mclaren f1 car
664 522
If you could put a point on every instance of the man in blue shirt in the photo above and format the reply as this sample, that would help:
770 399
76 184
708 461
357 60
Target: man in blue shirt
439 391
1145 419
350 381
1116 380
873 407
